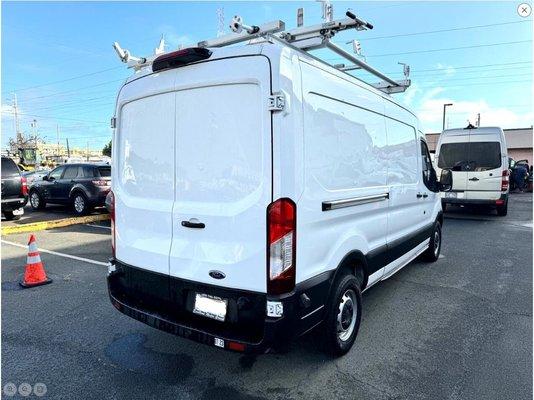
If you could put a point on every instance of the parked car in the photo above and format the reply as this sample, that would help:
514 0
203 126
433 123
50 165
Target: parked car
36 175
241 225
479 162
82 186
14 190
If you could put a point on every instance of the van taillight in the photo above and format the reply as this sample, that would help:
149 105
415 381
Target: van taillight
281 236
110 205
505 183
24 187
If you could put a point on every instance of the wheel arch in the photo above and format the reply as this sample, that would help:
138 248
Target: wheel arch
355 263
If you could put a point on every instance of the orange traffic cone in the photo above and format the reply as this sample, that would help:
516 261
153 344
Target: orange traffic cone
34 275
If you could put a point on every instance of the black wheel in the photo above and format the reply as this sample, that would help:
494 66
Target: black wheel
10 216
343 315
80 205
432 253
502 211
36 200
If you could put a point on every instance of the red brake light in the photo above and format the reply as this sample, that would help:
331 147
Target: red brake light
110 205
24 187
505 183
281 236
180 58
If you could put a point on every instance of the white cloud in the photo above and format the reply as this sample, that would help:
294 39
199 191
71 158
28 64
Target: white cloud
430 114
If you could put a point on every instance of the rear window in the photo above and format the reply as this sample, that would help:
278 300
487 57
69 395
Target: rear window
475 156
104 171
9 168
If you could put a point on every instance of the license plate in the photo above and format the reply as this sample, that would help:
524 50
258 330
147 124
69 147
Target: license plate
450 195
20 211
210 306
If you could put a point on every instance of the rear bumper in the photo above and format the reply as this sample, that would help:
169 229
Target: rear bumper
166 303
14 204
487 202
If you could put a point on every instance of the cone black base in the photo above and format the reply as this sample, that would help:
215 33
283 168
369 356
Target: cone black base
30 285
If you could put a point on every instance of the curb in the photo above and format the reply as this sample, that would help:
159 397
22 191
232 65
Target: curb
58 223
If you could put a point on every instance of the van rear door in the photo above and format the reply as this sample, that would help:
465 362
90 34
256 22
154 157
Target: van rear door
484 176
222 173
454 155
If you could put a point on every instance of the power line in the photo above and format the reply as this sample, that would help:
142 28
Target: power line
50 117
452 48
478 77
443 30
67 79
75 90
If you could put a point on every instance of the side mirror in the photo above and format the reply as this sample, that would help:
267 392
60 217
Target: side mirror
445 180
45 178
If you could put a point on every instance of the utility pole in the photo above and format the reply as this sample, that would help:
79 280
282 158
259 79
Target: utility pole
57 134
444 111
68 148
18 134
478 120
220 22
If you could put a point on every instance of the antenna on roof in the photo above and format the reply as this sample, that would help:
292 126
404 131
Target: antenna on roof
161 46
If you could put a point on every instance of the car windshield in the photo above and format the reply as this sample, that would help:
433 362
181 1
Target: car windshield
474 156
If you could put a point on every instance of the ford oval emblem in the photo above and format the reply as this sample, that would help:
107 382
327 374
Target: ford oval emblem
217 274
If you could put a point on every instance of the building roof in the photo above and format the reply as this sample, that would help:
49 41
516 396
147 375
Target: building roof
517 138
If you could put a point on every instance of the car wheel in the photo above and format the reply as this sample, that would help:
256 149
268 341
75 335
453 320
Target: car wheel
36 200
502 211
10 216
80 204
343 315
434 248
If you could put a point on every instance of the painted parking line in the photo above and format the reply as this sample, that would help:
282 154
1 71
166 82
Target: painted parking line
55 253
58 223
99 226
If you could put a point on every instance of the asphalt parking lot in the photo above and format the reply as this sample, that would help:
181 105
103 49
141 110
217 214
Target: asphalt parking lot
460 328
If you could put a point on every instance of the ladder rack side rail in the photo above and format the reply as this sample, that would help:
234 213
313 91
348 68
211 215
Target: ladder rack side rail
362 64
283 42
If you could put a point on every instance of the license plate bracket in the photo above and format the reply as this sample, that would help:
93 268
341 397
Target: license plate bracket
210 306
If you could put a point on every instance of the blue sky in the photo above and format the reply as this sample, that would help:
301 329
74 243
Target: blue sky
58 58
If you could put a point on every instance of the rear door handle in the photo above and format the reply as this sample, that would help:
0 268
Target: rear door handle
189 224
473 179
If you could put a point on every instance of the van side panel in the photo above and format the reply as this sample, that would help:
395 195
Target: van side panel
344 151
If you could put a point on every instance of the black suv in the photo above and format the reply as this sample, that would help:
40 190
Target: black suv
14 190
83 186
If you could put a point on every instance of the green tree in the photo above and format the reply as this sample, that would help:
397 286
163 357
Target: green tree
107 149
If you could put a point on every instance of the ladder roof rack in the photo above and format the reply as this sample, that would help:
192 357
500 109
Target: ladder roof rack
302 38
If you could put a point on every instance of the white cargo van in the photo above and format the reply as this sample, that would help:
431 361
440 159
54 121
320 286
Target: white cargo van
257 191
478 160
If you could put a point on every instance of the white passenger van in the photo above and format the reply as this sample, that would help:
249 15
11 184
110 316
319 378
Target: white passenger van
257 191
478 159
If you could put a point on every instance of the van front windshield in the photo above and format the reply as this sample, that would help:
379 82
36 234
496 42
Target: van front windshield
475 156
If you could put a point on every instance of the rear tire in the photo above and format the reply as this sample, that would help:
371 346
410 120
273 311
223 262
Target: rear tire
80 204
343 315
10 216
434 249
36 200
502 211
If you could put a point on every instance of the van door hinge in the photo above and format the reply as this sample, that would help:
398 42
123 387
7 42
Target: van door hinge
277 102
113 123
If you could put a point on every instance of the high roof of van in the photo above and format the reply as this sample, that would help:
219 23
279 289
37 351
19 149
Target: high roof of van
275 51
483 130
